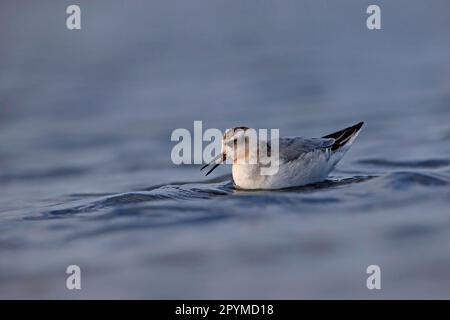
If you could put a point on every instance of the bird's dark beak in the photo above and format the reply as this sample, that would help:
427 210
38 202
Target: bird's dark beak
222 158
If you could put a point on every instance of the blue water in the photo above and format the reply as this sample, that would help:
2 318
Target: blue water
86 176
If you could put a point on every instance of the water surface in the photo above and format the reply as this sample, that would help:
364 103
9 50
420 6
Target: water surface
85 170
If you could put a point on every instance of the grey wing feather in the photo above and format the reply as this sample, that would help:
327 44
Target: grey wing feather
293 147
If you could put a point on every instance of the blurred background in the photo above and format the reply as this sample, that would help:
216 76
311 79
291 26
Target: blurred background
86 176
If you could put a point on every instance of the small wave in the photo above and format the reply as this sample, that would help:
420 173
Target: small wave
55 173
425 164
187 191
190 191
407 179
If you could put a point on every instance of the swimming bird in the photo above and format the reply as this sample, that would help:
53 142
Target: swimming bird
299 161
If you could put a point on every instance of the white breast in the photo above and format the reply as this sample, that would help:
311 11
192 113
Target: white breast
248 176
310 168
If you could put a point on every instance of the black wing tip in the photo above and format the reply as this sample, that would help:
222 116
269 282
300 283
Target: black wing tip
344 135
358 125
353 128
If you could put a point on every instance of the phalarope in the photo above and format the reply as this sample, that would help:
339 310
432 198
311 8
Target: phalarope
300 160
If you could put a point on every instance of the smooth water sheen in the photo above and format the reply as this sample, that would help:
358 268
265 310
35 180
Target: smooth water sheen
86 176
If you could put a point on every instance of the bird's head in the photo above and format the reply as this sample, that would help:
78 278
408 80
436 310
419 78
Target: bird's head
234 146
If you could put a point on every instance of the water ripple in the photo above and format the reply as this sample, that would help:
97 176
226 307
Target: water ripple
408 179
146 202
425 164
